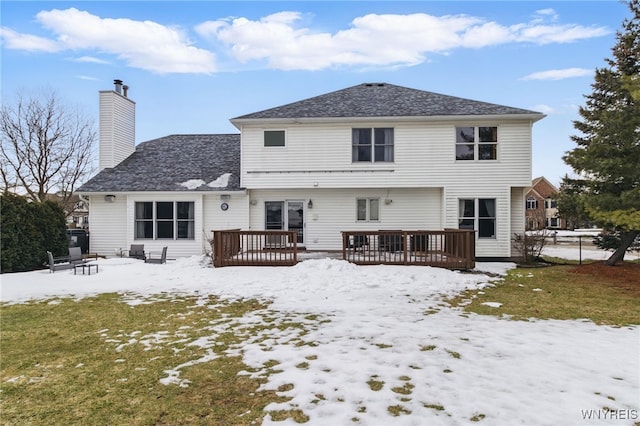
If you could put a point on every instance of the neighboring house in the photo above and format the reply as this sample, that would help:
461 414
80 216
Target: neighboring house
542 207
368 157
75 209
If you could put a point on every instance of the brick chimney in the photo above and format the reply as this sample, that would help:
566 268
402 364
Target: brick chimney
117 125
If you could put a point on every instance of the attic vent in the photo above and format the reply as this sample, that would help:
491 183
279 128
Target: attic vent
374 84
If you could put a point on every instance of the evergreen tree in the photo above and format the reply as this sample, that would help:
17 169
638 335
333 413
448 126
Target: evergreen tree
571 203
607 155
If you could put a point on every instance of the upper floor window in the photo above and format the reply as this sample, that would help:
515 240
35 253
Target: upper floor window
479 214
372 145
368 209
532 203
476 142
550 203
274 138
164 220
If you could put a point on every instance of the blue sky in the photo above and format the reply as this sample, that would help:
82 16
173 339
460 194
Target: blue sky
193 65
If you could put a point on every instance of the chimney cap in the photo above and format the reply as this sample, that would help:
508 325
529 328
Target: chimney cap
118 84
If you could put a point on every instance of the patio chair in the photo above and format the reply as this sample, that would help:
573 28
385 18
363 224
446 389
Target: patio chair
65 262
75 256
137 251
358 242
157 257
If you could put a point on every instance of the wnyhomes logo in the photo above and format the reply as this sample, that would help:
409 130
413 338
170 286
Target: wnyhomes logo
608 414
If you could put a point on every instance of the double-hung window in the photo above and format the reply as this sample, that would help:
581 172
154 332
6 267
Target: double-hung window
368 209
372 145
478 214
476 142
164 220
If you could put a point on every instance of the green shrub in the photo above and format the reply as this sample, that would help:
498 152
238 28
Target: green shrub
28 230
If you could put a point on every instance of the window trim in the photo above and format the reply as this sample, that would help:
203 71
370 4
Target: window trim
284 138
477 143
372 145
369 201
155 221
477 218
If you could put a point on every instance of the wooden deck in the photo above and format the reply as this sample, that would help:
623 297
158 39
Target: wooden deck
254 248
449 248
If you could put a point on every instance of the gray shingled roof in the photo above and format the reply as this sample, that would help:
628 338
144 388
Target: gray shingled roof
164 164
383 100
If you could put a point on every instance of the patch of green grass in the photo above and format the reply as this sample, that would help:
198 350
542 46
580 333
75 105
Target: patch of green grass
101 361
398 410
319 397
477 417
436 407
425 348
374 384
406 389
555 293
454 354
297 416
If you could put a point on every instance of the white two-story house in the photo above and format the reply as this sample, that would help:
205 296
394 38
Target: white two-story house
369 157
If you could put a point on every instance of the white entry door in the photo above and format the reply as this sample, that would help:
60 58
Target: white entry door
286 216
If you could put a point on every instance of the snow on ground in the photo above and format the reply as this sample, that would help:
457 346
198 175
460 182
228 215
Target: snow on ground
389 324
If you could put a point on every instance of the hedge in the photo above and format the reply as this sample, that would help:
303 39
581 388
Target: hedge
28 231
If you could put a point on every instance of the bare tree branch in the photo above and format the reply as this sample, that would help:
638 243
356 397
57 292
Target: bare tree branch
47 146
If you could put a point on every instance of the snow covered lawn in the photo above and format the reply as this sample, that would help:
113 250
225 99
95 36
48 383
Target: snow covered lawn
384 348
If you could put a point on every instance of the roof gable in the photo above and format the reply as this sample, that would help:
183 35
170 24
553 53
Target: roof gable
175 163
384 100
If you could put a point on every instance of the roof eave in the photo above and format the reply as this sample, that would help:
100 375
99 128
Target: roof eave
533 117
120 192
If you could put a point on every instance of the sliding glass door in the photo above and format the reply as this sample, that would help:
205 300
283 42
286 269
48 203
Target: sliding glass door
286 216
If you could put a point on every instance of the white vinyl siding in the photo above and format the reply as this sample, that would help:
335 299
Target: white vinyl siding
334 211
117 128
500 246
107 222
424 155
215 218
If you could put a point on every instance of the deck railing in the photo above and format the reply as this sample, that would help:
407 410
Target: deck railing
449 248
235 247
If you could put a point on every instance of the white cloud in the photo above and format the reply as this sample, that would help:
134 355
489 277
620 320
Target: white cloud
91 59
141 44
377 39
14 40
544 15
545 109
558 74
281 41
